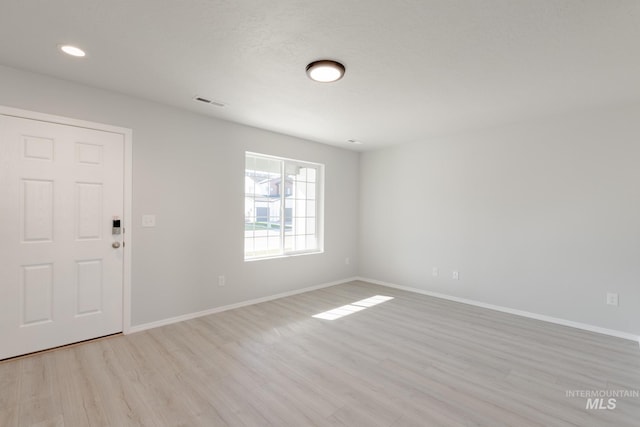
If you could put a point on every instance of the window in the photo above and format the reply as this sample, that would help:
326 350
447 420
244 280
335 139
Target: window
282 207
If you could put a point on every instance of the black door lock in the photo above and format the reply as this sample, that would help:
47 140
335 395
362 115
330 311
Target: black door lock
116 227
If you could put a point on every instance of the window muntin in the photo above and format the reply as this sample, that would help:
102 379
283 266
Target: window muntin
282 207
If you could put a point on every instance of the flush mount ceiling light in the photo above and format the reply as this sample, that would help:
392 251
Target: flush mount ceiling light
72 50
325 71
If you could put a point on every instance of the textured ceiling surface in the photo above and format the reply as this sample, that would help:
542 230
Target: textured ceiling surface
415 68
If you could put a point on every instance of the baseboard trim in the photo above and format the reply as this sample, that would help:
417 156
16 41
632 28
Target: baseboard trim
189 316
522 313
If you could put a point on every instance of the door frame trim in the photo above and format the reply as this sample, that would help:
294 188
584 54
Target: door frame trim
127 190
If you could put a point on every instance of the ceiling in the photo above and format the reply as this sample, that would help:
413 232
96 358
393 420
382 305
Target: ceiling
415 68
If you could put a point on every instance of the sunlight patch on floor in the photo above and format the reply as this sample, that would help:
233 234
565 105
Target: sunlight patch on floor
354 307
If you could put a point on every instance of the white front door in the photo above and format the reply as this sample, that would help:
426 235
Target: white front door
61 268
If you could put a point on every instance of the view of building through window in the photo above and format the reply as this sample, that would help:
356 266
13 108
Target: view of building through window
282 206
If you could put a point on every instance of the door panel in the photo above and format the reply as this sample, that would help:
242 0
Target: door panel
36 294
61 281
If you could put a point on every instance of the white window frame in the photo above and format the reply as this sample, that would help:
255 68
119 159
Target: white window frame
319 211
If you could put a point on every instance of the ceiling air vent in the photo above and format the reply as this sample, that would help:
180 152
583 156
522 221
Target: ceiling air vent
208 101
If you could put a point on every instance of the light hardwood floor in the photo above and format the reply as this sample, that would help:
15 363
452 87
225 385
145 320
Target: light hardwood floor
410 361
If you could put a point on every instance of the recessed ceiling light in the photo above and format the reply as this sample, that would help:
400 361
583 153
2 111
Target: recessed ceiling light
72 50
354 141
325 71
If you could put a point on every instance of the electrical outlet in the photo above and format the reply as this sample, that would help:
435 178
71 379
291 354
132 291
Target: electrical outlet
222 281
612 298
347 261
455 275
435 272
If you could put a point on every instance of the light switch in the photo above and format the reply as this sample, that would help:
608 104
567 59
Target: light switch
148 220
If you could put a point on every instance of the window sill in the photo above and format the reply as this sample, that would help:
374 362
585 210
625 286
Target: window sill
288 255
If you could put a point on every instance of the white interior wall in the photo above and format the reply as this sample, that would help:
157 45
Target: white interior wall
541 216
189 171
